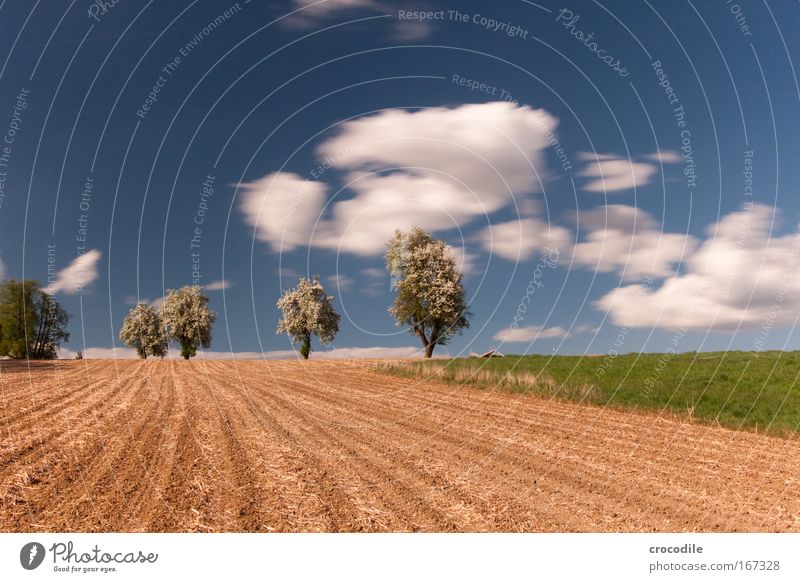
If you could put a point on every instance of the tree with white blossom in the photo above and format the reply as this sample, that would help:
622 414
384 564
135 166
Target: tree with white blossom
187 319
308 310
429 292
142 330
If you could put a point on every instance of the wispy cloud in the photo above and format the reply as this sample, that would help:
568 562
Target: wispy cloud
341 282
528 334
133 300
78 275
377 281
316 13
413 30
218 285
613 173
313 11
664 156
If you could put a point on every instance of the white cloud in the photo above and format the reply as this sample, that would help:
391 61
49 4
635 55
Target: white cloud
740 275
316 9
664 156
213 286
133 300
340 282
436 168
519 239
466 262
529 333
363 353
613 173
218 285
363 224
288 273
413 30
489 147
283 208
628 240
315 13
377 281
446 167
78 275
375 273
2 269
583 328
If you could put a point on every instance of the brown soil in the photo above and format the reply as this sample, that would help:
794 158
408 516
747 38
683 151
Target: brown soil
333 446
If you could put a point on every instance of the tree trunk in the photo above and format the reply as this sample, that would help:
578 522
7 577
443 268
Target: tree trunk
41 340
431 343
423 338
305 348
37 342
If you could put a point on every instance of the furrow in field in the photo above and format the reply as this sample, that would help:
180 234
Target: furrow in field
50 477
335 446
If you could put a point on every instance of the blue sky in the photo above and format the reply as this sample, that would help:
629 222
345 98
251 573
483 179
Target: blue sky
647 150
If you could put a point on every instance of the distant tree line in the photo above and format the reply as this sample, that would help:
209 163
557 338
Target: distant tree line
429 296
183 317
429 300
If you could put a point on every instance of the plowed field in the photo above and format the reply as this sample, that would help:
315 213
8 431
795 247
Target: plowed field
333 446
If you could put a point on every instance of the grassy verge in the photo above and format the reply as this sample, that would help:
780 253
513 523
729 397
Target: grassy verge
755 391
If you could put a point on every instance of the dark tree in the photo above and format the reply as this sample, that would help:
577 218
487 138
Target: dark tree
32 323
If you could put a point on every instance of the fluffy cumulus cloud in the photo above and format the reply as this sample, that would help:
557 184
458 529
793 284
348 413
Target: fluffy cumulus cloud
629 241
611 173
740 275
436 168
529 333
282 207
489 149
363 224
78 275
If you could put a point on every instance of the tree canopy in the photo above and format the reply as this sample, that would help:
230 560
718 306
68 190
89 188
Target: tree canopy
429 293
143 331
187 319
32 323
308 310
